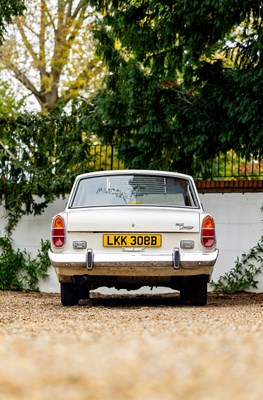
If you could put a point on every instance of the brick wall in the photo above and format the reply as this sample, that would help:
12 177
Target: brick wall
237 186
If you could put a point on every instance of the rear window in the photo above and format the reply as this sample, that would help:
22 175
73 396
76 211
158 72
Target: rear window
134 190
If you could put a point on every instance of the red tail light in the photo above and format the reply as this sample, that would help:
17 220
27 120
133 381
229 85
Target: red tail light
208 232
58 231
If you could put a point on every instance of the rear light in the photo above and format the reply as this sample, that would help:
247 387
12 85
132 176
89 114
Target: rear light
58 231
208 232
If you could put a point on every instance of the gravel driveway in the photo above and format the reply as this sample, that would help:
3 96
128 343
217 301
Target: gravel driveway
128 347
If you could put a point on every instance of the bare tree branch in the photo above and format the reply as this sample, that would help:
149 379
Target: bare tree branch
68 14
80 6
27 43
61 14
42 31
63 45
21 77
8 151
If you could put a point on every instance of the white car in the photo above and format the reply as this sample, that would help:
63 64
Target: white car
132 228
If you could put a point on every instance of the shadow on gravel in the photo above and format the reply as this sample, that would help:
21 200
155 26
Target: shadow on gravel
241 299
171 300
134 301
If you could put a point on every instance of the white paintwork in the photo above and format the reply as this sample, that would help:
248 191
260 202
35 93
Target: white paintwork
129 218
238 226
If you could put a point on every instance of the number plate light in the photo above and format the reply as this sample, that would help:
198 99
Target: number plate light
79 244
187 244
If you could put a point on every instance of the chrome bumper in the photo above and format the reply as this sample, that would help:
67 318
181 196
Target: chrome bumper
132 263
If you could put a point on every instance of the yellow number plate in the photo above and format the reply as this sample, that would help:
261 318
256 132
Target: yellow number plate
132 240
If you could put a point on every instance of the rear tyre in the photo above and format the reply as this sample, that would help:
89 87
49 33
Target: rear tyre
69 294
198 295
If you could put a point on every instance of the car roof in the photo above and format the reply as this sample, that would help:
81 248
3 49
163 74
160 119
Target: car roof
134 171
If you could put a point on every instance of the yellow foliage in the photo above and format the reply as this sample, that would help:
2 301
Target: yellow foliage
51 51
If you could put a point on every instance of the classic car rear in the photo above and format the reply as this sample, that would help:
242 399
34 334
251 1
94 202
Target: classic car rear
132 228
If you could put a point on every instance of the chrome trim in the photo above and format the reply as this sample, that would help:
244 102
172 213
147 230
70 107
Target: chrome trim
89 259
130 260
176 258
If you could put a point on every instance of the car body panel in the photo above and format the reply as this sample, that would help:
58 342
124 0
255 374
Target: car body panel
138 241
133 219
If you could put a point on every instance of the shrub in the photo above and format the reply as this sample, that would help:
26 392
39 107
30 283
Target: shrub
243 275
18 269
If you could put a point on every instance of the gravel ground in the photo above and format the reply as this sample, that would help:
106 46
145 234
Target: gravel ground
131 347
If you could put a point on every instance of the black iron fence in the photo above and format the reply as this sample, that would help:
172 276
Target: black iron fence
223 166
230 165
104 157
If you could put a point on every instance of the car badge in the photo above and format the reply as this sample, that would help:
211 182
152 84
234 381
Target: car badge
182 226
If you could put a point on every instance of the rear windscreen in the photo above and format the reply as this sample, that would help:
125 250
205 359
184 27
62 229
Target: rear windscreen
134 190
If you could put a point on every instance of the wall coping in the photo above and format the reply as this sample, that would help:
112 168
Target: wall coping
231 186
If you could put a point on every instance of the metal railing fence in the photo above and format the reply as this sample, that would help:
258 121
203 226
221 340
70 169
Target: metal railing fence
104 157
224 166
229 165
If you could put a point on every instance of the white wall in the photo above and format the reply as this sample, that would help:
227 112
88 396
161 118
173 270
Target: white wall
238 227
28 234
